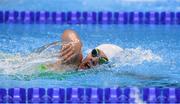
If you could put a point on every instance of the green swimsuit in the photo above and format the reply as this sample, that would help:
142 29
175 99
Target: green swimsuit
42 67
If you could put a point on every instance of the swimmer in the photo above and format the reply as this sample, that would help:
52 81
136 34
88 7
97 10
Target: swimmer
71 53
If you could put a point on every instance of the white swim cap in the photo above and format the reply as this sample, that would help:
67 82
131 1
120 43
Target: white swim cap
110 50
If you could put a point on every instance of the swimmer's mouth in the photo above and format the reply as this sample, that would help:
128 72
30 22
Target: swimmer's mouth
87 65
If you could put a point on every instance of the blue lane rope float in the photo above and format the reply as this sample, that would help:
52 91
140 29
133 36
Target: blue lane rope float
89 18
73 18
42 17
45 17
16 95
3 95
136 17
120 18
112 95
90 95
56 95
151 95
27 17
11 17
105 18
36 95
167 18
94 95
58 17
151 18
178 18
1 17
74 95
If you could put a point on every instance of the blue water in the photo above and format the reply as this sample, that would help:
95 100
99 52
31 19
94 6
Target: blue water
161 42
91 5
150 58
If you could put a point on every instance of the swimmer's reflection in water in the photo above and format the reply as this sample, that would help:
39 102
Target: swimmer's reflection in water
71 54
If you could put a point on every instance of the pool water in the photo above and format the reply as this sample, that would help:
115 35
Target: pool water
91 5
150 58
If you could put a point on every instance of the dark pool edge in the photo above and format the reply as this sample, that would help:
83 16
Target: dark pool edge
90 95
45 17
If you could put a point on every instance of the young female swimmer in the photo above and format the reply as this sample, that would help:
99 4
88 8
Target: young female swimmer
71 54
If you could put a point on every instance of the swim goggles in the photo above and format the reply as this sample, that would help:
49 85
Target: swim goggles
96 53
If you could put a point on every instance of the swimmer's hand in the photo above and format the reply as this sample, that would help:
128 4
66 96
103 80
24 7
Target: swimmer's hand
69 51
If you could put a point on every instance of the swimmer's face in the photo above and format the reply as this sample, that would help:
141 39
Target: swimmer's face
94 58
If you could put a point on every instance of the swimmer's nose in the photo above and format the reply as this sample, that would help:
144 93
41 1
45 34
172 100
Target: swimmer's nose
93 62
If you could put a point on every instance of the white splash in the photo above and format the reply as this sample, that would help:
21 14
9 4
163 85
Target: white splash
135 56
26 65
